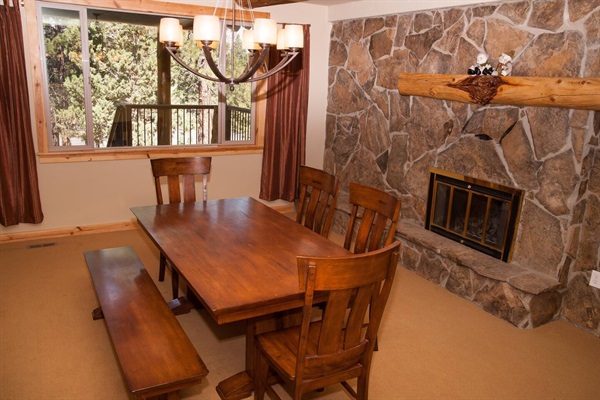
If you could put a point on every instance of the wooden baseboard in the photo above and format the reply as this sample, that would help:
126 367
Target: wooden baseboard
70 231
285 209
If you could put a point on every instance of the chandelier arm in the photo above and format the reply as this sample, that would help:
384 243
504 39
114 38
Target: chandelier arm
289 56
213 66
255 66
250 62
192 70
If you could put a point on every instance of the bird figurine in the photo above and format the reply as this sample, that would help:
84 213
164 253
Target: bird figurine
504 67
482 66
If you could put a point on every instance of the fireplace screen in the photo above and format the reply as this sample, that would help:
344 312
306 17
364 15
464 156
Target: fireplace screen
476 213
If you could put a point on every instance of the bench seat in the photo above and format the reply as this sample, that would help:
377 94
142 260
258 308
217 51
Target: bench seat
156 356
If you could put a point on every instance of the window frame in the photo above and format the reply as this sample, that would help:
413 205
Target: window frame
45 155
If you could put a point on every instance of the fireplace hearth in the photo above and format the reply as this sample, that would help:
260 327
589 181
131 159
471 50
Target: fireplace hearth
479 214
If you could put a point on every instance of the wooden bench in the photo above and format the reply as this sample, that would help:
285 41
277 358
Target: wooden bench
156 356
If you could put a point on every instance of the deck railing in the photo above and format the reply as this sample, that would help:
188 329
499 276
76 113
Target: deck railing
167 124
238 123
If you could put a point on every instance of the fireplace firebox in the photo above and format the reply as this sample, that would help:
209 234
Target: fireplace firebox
479 214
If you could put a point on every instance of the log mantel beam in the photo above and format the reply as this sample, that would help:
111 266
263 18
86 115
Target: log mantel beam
579 93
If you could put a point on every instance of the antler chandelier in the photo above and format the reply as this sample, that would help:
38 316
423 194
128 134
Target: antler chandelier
208 31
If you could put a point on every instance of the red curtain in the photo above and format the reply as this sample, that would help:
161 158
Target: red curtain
19 192
285 126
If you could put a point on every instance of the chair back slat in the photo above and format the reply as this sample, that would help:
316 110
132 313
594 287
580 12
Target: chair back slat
365 232
173 189
317 199
334 315
189 188
378 230
356 316
317 204
181 178
377 226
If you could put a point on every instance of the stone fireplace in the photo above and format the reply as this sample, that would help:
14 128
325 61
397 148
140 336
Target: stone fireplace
377 137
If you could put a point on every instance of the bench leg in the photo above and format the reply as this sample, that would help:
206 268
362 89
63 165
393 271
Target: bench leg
175 282
180 305
97 313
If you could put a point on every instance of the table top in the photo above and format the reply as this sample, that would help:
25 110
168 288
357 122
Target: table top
238 255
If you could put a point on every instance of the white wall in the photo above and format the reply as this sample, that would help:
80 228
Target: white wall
91 193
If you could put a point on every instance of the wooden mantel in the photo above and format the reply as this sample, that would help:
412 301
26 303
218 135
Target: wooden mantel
579 93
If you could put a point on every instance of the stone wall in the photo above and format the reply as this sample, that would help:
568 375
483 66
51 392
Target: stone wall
378 137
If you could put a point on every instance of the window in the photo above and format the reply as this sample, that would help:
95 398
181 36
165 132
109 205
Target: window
101 71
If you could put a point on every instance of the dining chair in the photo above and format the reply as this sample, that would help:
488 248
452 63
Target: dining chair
377 226
380 212
181 177
317 199
335 348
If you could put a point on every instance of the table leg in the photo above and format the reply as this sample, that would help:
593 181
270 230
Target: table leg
241 385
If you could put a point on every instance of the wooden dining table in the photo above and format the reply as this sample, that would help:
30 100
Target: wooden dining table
238 258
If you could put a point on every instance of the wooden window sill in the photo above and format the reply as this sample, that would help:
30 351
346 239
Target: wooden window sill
145 152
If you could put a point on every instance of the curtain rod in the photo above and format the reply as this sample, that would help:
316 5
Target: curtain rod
292 23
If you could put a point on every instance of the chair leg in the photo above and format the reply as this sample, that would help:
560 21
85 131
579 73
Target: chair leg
261 372
162 265
175 282
362 388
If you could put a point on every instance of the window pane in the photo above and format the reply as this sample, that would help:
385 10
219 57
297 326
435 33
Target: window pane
238 121
123 71
62 42
476 216
458 210
194 125
495 231
442 198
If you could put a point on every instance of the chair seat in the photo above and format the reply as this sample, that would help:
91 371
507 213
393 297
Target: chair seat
284 343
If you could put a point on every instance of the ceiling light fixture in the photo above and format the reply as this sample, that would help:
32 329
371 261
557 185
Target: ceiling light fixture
208 31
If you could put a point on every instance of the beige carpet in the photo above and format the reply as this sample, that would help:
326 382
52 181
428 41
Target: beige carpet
433 344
